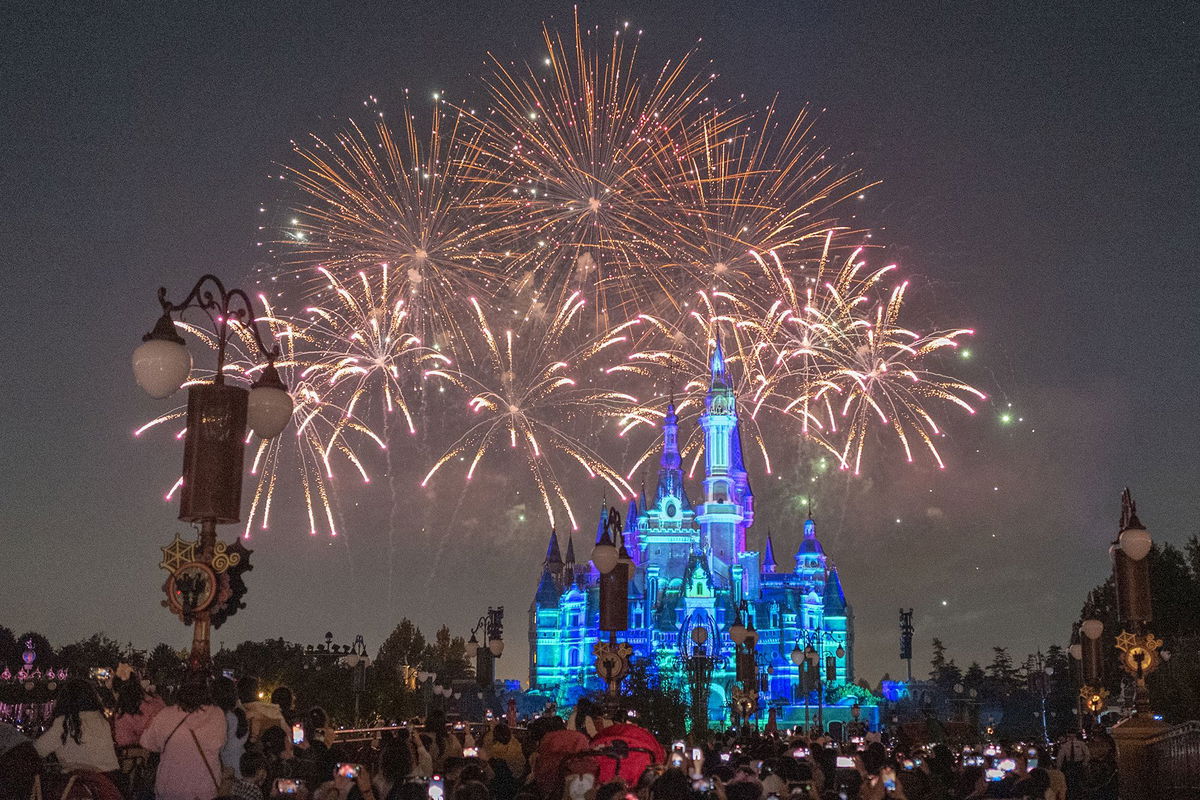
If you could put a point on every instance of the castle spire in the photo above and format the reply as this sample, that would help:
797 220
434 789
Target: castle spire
769 556
720 377
553 554
570 559
670 472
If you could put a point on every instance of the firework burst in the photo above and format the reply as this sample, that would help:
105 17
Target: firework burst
755 186
404 199
583 146
370 353
528 389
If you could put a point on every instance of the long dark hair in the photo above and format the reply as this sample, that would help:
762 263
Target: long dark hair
130 695
74 697
225 697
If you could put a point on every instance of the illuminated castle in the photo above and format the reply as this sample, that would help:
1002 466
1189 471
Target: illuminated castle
691 567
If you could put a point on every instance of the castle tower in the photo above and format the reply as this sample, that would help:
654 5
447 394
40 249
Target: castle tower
728 507
810 572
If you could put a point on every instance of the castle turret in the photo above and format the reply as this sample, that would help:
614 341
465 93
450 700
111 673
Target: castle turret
723 516
768 566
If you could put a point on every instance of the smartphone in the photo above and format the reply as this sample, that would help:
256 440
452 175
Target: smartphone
702 784
697 754
757 765
437 788
916 761
908 764
1006 764
489 714
227 673
100 673
994 775
845 762
677 745
1032 763
349 770
725 756
297 734
800 752
458 726
287 785
676 759
470 752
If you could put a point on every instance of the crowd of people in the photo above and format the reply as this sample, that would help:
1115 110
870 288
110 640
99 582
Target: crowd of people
224 739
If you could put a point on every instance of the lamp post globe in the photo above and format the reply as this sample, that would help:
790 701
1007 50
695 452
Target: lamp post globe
1135 542
605 557
737 632
270 406
1077 651
161 364
472 647
840 652
751 637
700 635
496 646
797 655
1092 628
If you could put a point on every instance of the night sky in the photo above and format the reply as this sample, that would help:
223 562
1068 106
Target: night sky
1039 173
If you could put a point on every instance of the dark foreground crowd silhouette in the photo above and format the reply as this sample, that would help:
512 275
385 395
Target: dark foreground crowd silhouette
225 739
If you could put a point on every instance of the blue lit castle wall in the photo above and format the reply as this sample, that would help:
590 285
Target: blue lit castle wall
692 567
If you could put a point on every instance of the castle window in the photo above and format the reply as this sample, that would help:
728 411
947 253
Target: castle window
573 658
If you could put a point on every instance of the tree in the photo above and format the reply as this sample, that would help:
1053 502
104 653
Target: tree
660 703
945 673
447 658
1001 675
95 651
405 645
10 651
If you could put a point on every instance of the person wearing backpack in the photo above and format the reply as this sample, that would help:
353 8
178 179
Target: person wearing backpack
189 736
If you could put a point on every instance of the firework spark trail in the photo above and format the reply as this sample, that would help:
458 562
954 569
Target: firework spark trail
581 151
404 198
753 185
527 387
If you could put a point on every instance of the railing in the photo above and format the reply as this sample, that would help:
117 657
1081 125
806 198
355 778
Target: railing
1175 756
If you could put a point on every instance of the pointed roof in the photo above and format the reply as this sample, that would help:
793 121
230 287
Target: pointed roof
769 555
670 469
547 593
570 559
553 554
602 525
835 598
716 364
631 516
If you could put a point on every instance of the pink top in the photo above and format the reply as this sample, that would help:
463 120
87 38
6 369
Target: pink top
189 768
127 728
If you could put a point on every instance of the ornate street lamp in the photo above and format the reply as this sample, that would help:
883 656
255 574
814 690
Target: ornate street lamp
1139 647
213 450
491 625
615 567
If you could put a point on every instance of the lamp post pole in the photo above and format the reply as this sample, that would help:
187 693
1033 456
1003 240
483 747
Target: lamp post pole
214 442
745 639
809 660
700 669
